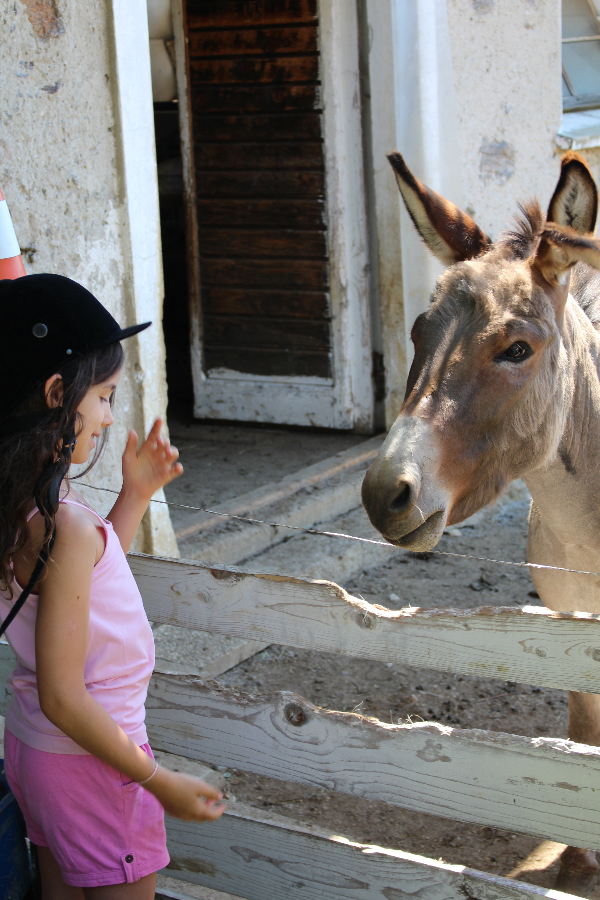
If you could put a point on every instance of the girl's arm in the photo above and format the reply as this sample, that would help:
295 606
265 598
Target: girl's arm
61 639
145 471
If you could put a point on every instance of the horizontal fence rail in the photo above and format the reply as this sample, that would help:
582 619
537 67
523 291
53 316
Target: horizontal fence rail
541 786
532 646
260 860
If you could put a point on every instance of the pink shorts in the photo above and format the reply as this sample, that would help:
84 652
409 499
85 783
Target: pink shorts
101 828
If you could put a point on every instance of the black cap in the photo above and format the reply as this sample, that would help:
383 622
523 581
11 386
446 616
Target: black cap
46 321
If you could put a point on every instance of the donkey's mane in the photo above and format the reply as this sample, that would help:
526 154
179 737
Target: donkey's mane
521 240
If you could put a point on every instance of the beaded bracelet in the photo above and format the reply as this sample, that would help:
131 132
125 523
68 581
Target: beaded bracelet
146 780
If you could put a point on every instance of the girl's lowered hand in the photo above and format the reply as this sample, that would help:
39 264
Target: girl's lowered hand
185 796
155 464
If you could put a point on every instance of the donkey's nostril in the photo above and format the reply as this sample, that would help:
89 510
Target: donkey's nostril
404 500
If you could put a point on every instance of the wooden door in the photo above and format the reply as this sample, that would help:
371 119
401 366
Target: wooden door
266 342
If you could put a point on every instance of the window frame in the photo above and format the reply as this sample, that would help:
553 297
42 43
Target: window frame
580 101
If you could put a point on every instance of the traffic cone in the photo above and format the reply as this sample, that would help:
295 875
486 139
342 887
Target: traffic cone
11 262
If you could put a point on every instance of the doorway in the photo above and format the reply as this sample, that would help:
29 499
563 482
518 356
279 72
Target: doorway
272 176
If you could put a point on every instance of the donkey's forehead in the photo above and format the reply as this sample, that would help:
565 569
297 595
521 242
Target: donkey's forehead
490 286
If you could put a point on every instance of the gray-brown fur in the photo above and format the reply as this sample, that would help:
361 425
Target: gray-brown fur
585 288
505 383
522 240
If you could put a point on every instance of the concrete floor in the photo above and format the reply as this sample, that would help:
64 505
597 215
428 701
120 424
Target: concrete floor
222 461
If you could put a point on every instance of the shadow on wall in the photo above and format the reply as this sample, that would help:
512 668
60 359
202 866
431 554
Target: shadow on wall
176 324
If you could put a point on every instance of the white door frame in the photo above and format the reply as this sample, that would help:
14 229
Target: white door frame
143 285
346 399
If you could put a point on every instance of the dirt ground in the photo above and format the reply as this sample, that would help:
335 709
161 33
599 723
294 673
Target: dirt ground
225 461
399 693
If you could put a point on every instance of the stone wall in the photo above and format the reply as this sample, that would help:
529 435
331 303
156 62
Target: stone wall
63 155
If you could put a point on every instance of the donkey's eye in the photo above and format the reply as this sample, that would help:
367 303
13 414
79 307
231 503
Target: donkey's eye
516 352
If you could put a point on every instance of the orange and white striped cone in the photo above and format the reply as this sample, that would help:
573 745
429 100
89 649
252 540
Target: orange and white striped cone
11 262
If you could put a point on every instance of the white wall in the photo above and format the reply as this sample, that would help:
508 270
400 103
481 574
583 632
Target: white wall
492 144
506 57
77 168
390 327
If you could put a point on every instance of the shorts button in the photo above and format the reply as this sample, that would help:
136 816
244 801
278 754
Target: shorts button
129 858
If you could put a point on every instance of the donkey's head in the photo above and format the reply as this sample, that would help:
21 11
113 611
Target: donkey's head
489 390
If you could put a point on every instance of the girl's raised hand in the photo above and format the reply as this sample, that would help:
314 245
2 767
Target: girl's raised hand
186 797
155 464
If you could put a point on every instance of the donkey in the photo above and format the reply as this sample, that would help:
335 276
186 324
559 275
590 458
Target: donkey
505 383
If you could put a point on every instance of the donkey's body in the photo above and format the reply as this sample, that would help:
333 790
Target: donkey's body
505 384
564 525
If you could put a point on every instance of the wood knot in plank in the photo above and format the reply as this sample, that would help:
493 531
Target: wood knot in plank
366 619
295 714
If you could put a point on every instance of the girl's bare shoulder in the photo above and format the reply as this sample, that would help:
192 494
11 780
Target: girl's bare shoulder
75 524
77 530
72 517
80 526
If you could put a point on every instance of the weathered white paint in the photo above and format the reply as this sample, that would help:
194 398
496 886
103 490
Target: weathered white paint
532 646
346 210
144 260
385 202
541 786
225 394
82 188
426 128
346 400
265 860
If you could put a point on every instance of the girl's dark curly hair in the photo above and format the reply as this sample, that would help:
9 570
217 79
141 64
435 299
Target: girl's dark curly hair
26 457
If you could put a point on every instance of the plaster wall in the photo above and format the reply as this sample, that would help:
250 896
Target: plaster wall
389 325
477 122
506 57
66 143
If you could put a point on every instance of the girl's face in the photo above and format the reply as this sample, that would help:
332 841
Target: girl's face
97 414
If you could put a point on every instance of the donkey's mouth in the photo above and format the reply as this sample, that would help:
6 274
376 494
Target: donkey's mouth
426 536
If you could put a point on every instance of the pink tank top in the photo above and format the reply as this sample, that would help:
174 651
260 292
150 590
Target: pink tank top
119 661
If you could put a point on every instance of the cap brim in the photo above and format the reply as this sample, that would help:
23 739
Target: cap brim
129 332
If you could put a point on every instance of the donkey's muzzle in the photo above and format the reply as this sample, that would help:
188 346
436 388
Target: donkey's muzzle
401 492
405 500
391 500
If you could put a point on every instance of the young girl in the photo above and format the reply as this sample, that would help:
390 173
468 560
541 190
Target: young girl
76 750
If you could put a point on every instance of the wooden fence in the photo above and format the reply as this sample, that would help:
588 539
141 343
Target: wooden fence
541 786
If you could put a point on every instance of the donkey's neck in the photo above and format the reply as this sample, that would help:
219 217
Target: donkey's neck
564 526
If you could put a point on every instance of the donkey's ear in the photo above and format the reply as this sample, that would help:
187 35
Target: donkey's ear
560 248
575 200
450 234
